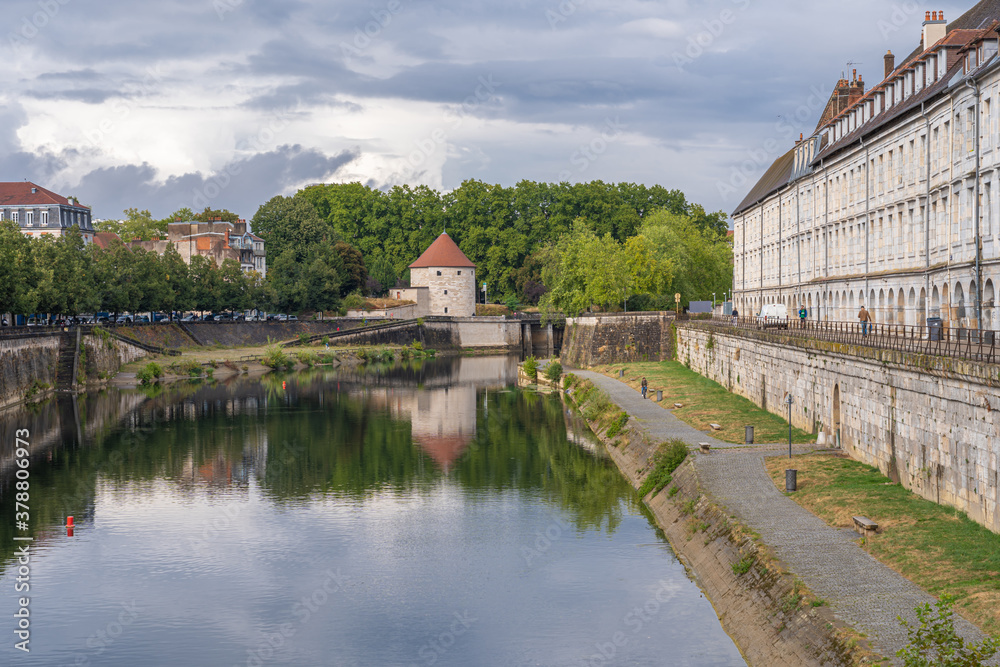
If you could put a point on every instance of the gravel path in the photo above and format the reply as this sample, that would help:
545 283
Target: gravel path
861 591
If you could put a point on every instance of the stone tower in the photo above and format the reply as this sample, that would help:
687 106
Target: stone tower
449 276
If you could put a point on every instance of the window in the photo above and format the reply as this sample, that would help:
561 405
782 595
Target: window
446 292
45 217
15 216
29 218
446 310
459 273
439 273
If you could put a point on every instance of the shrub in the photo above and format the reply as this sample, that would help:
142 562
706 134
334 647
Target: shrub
355 302
149 372
669 457
326 341
618 424
418 346
531 368
307 357
553 371
744 565
303 338
933 641
275 357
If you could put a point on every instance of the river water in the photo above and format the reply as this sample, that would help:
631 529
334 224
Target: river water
428 515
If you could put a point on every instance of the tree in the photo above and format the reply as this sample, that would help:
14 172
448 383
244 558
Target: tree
177 274
354 271
152 287
135 225
19 273
235 288
702 261
383 273
205 283
114 269
66 284
289 222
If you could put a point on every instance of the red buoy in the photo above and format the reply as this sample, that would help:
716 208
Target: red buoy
69 531
69 522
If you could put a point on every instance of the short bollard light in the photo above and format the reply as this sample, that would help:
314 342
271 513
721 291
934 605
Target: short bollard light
749 434
791 480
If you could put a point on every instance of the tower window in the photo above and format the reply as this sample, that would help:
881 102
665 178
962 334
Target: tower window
446 292
439 273
459 273
446 310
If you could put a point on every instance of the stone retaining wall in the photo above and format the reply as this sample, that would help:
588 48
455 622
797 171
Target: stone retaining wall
930 423
25 360
605 339
752 607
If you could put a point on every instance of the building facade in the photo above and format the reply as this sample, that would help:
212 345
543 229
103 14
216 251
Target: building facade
892 202
41 212
217 240
442 281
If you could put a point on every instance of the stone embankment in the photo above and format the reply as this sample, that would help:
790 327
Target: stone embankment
761 558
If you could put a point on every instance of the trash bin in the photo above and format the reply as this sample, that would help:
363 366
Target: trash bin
749 433
934 328
621 373
791 480
659 395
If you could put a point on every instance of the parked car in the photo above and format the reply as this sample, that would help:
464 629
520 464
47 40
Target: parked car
123 319
190 317
773 315
293 318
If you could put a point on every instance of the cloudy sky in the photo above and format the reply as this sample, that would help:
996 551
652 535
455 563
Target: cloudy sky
226 103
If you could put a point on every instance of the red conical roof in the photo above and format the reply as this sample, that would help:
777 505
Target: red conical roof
443 252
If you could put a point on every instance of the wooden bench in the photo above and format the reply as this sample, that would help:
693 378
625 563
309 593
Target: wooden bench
865 526
715 427
678 405
705 447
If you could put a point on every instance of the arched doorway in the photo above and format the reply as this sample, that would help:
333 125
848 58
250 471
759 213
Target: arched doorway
989 306
835 425
901 307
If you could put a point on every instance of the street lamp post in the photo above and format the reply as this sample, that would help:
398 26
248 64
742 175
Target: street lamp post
713 302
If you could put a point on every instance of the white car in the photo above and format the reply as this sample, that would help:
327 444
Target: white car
773 315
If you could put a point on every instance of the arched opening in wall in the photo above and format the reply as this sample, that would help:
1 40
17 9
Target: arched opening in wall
872 303
972 310
989 307
852 310
921 307
881 307
836 306
900 308
958 305
935 302
845 313
809 305
835 424
890 314
912 317
826 307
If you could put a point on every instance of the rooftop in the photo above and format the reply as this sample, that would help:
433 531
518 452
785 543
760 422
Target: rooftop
25 193
443 252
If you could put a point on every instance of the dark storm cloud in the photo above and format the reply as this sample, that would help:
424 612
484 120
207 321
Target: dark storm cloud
241 186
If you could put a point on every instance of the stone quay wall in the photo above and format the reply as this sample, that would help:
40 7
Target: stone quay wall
605 339
930 423
25 359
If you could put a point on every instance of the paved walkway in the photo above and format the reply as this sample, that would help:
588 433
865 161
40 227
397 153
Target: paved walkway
861 591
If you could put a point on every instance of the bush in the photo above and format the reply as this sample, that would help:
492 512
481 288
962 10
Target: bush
149 372
303 338
934 642
326 341
355 302
618 424
531 368
275 357
669 457
307 357
554 371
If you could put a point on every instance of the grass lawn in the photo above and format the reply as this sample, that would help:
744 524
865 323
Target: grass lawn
706 402
936 547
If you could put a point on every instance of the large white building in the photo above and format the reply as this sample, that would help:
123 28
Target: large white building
892 203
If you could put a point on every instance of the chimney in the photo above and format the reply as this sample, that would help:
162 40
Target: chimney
935 29
890 64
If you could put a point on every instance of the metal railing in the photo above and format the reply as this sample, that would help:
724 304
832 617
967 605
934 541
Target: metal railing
933 338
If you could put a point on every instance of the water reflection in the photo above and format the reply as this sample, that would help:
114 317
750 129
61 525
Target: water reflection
389 500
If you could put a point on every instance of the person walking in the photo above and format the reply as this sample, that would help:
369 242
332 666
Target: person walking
736 317
803 314
644 387
866 320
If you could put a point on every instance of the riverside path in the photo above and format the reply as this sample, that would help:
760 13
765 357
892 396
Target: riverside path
863 592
